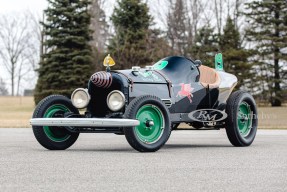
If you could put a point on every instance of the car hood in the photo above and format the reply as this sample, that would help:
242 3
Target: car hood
143 76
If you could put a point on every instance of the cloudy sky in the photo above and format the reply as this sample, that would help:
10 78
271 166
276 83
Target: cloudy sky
12 6
15 7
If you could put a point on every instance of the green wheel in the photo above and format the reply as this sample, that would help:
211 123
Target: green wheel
56 134
154 128
151 125
244 119
241 122
53 137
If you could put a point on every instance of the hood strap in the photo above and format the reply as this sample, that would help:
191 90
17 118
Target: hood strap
129 79
169 83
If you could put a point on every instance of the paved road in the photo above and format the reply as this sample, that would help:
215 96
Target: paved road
190 161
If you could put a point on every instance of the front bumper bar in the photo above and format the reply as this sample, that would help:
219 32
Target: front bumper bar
84 122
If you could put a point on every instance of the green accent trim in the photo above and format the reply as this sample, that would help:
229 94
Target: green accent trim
146 73
219 62
160 65
56 134
244 119
151 125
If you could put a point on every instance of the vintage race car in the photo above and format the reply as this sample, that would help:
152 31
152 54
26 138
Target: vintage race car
146 104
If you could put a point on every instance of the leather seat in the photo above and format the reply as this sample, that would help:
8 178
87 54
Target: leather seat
209 77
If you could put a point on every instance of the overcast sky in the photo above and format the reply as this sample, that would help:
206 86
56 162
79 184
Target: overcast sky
10 6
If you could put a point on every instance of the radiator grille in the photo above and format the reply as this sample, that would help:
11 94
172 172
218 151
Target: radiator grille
167 102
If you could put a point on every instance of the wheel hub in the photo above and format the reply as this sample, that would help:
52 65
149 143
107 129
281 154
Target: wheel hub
149 123
244 118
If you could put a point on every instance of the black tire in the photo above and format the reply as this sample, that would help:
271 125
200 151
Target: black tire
238 133
47 136
131 133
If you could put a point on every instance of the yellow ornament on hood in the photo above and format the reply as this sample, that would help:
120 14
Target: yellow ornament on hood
109 61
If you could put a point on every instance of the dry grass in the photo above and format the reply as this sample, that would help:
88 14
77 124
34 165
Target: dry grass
272 117
16 111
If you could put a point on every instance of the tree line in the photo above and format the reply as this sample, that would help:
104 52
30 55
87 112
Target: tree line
19 50
252 35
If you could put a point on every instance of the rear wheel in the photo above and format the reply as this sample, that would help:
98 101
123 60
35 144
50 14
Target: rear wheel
154 128
53 137
241 122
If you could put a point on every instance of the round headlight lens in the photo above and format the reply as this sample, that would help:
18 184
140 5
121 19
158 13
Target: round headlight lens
115 100
80 98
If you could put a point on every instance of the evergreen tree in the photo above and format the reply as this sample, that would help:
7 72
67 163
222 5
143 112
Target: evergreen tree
129 44
205 45
157 45
234 56
67 63
268 31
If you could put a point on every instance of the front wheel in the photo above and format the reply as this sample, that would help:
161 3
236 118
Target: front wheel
241 122
154 129
53 137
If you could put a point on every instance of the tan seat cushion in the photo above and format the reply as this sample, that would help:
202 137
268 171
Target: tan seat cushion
209 76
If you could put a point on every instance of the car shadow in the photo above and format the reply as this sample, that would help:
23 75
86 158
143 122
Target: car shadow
126 150
166 146
173 146
131 150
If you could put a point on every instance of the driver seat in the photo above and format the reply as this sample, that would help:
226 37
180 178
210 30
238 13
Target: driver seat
209 78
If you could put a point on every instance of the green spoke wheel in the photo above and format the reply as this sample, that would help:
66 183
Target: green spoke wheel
241 122
151 124
54 137
154 128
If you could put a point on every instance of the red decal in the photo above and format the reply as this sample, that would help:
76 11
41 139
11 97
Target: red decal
185 91
102 79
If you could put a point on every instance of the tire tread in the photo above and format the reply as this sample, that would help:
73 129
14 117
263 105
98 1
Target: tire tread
130 113
38 130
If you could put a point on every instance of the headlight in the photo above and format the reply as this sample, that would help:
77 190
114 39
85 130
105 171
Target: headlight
80 98
115 100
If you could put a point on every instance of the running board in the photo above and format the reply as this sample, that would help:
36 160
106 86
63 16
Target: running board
84 122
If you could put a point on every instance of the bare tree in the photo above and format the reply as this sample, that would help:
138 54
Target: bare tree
99 25
177 31
17 48
181 19
100 31
3 88
39 37
196 10
218 9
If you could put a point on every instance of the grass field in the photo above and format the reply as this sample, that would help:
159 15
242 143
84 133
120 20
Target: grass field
16 111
